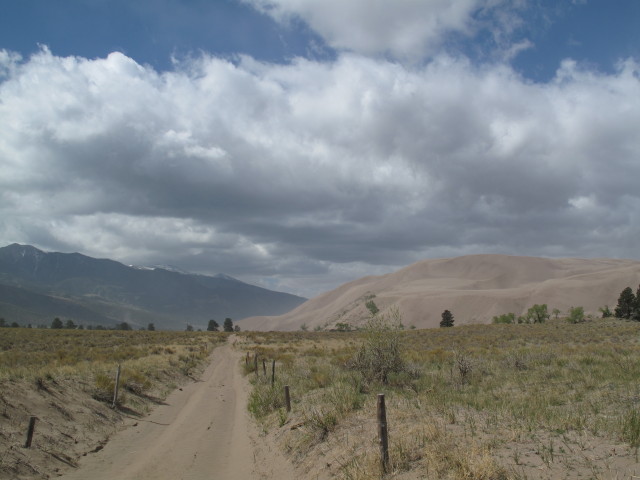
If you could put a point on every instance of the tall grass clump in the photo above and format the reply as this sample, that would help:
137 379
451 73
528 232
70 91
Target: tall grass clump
631 428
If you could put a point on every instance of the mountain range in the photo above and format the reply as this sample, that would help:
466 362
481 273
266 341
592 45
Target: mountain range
37 286
474 288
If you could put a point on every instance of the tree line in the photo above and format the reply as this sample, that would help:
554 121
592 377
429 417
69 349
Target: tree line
227 326
58 324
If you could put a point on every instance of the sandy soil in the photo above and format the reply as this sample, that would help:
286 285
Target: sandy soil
474 288
203 431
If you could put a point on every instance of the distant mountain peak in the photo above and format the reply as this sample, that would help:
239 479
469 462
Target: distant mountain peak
23 249
17 252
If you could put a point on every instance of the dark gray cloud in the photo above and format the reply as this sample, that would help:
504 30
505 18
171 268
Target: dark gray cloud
305 175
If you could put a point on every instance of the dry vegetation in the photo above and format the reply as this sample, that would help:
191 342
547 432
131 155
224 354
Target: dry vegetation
66 379
552 400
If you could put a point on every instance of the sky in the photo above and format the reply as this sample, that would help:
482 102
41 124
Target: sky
301 144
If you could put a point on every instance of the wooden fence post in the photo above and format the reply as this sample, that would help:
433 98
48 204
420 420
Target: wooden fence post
383 434
115 388
264 366
287 398
255 364
246 360
273 371
32 426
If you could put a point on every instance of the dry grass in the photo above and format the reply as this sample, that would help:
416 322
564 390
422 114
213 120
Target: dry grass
553 400
66 379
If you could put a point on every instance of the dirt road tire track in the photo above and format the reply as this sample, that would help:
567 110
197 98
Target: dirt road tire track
202 432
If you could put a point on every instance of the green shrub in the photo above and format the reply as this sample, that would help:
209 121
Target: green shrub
504 318
576 315
372 307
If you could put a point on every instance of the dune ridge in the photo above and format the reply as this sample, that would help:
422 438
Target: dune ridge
475 288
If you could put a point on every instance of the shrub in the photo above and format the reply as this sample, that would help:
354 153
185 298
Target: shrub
606 311
104 386
537 314
343 327
505 318
576 315
379 355
372 307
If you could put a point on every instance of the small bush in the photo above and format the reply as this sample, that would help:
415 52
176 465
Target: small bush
504 318
576 315
321 421
104 385
380 355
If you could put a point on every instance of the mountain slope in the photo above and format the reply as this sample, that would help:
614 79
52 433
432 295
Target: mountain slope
101 290
475 288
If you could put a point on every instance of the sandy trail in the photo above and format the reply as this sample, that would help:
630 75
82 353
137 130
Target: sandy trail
202 432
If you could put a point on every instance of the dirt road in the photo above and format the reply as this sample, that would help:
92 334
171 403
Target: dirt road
202 432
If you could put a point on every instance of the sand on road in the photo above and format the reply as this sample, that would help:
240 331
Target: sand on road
203 431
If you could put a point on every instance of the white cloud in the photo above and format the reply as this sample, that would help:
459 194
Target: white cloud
314 169
401 28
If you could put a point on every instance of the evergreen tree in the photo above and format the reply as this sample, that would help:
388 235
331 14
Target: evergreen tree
151 327
70 325
213 326
228 325
626 303
447 319
635 314
57 323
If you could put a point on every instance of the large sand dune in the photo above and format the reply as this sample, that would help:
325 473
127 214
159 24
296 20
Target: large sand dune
474 288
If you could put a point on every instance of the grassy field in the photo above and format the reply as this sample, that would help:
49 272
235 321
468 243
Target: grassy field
552 400
66 378
31 353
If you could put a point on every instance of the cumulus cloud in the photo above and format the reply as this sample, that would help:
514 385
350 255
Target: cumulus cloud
291 171
404 29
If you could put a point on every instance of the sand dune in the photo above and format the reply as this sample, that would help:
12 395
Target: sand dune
474 288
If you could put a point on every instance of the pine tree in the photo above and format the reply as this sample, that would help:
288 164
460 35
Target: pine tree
635 314
213 326
228 325
626 303
447 319
57 323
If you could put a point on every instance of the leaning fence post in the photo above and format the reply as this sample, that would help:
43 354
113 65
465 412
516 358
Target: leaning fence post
273 371
116 387
255 364
264 367
383 434
32 426
287 398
